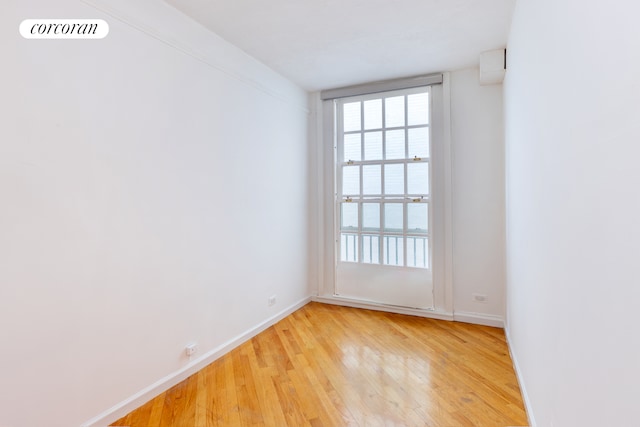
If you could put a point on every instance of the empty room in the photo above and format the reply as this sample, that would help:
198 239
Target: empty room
319 213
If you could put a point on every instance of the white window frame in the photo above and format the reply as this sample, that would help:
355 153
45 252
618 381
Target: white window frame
325 189
406 199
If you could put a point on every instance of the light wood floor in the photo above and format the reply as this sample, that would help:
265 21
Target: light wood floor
335 366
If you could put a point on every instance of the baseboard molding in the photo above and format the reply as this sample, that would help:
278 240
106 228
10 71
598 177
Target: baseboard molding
479 319
458 316
523 388
162 385
348 302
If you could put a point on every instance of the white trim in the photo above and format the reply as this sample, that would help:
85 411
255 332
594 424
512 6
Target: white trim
163 384
448 192
442 208
516 367
479 318
136 15
329 146
357 303
465 317
317 158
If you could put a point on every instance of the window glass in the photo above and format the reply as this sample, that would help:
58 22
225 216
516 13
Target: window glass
351 116
373 114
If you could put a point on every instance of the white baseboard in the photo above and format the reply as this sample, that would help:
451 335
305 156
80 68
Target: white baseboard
348 302
458 316
523 388
479 318
162 385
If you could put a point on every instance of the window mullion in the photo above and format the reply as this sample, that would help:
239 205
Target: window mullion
363 252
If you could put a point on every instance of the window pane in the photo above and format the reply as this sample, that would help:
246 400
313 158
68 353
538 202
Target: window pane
373 114
349 247
394 179
395 144
370 249
351 116
371 179
418 178
417 217
371 216
349 216
393 216
351 180
418 109
352 147
391 137
419 143
373 146
394 111
418 252
393 250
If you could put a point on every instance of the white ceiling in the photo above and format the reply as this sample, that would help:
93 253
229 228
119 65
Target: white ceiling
322 44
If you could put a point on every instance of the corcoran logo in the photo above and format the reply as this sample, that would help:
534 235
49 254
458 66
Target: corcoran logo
64 29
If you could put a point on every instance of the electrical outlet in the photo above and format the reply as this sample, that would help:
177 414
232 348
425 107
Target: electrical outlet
190 349
272 300
481 298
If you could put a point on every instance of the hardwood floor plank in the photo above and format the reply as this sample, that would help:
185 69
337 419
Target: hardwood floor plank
330 366
157 404
203 414
230 410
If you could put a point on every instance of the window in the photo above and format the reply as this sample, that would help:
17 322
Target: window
387 202
383 178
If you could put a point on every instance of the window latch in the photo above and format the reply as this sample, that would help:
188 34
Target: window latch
416 158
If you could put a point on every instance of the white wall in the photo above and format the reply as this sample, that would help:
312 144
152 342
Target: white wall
477 144
153 189
573 235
